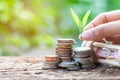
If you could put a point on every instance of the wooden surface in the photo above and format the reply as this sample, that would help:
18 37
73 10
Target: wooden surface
30 68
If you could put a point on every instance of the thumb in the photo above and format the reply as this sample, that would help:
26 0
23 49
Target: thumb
101 31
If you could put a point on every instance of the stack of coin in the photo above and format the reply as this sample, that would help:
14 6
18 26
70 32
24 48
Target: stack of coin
64 49
51 62
82 55
64 52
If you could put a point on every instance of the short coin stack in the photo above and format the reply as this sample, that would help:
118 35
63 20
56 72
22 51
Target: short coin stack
51 62
82 55
64 52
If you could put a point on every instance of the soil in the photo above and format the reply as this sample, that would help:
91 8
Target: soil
30 68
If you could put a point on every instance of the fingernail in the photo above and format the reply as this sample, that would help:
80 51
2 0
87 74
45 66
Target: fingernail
80 37
87 35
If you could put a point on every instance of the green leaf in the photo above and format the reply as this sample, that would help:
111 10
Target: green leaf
76 19
85 18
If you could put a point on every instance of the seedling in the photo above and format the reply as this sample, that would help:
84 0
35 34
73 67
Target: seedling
80 24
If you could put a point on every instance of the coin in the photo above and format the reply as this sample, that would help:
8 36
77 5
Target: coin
85 60
76 59
66 41
88 66
58 51
82 55
82 49
50 65
64 54
87 63
63 49
65 58
51 62
82 52
67 64
64 45
70 65
51 58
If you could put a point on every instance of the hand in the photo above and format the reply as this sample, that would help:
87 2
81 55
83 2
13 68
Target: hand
105 25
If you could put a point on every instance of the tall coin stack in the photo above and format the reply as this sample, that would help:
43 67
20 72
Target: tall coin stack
82 55
64 49
64 52
51 62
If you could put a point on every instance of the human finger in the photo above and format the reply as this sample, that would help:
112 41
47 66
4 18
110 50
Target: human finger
102 31
104 18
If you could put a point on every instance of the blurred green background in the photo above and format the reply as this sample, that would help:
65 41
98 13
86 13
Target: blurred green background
31 26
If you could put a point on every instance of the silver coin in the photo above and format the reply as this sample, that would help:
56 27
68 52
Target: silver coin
82 49
86 60
87 63
76 59
68 64
82 55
